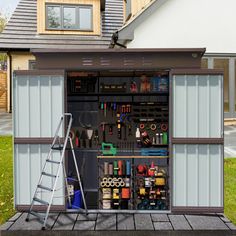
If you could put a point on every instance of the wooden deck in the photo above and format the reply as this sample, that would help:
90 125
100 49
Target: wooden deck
73 222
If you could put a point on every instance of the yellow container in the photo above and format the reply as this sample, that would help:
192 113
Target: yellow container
160 181
116 194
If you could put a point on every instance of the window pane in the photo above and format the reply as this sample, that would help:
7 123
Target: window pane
224 64
69 20
54 17
204 63
85 18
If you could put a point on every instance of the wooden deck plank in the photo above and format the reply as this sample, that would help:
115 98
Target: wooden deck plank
179 222
160 217
125 222
65 222
33 224
6 226
106 222
89 217
15 217
84 225
143 222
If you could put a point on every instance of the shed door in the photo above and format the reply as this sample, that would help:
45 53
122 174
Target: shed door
197 138
38 103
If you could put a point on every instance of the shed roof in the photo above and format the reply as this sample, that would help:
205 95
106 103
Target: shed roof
20 32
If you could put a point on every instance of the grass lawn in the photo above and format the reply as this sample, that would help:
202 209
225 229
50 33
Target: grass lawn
6 183
230 189
6 180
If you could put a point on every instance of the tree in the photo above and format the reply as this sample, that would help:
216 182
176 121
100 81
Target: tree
3 21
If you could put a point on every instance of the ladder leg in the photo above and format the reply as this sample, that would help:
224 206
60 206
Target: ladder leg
78 176
66 182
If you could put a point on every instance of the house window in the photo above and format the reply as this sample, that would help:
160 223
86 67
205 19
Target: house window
69 17
54 17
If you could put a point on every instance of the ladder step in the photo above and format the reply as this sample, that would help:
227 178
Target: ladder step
40 201
60 148
37 215
45 188
54 162
50 175
57 148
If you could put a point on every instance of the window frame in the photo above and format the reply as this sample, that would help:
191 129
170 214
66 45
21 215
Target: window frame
77 12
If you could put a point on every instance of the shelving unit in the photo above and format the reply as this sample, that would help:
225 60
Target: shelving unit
128 157
116 117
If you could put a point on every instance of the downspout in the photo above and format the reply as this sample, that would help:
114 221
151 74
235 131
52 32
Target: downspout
10 80
114 41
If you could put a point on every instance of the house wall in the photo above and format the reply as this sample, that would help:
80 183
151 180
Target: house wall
137 5
20 61
189 24
96 17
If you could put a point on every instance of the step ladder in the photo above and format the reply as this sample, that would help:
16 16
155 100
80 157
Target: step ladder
56 146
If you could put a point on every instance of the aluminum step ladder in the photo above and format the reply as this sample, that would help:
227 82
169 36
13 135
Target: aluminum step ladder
56 146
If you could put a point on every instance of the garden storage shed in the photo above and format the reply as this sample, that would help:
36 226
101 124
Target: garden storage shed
147 129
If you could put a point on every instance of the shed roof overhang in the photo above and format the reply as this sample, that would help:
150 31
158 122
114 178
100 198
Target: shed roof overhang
119 59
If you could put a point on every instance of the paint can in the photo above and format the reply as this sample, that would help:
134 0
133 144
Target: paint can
106 193
106 204
125 193
116 194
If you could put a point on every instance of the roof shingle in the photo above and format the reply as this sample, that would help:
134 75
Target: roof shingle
21 30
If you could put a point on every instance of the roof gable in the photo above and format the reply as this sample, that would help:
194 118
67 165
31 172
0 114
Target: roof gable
21 30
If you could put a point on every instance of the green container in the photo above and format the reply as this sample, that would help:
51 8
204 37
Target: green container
165 138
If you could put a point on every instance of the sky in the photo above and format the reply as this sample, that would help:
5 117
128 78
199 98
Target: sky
8 6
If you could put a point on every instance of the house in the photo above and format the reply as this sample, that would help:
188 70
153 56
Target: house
191 24
148 122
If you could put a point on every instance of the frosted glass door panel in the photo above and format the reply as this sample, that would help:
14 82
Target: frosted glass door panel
197 175
197 106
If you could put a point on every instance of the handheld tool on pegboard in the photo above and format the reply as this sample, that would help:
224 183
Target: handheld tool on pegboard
77 137
105 109
96 137
103 127
90 134
108 149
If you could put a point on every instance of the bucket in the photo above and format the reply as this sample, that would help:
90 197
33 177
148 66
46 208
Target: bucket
77 201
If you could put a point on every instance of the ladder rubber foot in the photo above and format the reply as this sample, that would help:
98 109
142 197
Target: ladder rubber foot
27 219
43 228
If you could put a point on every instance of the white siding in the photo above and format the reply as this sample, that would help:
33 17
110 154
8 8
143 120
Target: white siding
38 103
197 175
189 24
29 161
197 106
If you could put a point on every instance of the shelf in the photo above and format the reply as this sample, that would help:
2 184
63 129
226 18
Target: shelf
129 157
120 94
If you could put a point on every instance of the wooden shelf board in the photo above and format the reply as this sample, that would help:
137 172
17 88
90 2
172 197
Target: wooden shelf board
129 157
